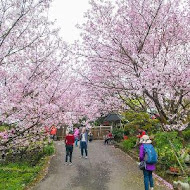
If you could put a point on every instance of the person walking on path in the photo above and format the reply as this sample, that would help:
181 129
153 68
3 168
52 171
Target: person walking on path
84 142
53 132
145 143
69 141
76 135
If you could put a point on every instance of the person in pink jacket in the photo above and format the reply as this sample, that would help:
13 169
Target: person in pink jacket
76 135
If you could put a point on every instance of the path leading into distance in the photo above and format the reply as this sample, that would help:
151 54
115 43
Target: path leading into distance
107 168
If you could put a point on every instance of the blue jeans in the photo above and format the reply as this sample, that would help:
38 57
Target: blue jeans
76 142
148 179
83 147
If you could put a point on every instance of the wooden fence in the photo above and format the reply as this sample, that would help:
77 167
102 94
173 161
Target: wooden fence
98 132
61 133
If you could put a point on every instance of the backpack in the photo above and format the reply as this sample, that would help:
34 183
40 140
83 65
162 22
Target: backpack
151 156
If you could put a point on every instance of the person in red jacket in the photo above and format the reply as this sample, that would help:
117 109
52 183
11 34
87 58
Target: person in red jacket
53 132
141 133
69 141
108 138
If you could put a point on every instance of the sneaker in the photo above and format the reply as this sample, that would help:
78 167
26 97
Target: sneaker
152 188
81 156
86 157
70 164
66 164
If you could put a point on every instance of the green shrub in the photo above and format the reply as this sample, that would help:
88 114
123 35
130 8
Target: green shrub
186 135
32 154
126 132
49 149
129 143
140 120
118 134
162 140
165 152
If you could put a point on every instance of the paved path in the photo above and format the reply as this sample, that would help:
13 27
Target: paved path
106 168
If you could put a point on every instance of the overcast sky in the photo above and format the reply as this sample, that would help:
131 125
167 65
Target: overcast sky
68 13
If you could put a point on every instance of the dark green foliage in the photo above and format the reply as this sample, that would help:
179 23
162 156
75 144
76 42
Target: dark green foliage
186 135
140 120
99 121
126 132
30 155
118 134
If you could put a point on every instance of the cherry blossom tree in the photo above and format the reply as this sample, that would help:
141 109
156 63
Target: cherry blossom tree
140 49
130 49
37 86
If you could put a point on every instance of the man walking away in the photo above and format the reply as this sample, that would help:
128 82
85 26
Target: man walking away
69 141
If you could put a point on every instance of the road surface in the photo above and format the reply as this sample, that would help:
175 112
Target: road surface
107 168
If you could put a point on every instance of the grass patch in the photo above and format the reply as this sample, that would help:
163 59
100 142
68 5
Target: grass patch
17 176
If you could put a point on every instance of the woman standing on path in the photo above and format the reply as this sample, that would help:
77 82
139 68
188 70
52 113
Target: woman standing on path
84 142
149 168
69 141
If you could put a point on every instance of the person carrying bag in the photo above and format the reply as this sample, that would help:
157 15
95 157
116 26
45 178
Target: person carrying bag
148 159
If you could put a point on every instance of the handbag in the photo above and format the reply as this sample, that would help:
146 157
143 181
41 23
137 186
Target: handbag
142 165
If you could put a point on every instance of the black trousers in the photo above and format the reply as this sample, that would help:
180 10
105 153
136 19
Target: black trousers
69 151
107 141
